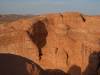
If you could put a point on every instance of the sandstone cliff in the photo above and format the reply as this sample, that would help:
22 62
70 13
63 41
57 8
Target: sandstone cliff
66 43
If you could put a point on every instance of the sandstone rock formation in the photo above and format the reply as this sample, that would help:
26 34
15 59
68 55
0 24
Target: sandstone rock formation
60 43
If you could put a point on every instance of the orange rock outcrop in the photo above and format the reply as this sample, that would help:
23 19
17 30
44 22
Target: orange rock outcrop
69 42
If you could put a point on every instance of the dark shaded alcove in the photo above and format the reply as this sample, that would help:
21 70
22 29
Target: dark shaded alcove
38 35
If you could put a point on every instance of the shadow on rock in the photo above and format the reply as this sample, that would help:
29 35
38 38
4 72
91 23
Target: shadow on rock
54 72
74 70
16 65
93 65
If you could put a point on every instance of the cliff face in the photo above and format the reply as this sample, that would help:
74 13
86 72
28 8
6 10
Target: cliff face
68 42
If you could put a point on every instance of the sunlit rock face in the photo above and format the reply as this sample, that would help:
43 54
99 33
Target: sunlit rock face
61 42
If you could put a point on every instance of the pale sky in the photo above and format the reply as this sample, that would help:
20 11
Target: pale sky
91 7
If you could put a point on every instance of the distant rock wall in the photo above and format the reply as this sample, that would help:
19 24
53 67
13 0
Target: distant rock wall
69 42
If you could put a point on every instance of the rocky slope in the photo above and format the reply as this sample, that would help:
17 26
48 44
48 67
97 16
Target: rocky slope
60 43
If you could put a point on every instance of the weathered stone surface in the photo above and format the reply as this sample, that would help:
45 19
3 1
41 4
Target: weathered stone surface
61 42
19 43
69 41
